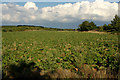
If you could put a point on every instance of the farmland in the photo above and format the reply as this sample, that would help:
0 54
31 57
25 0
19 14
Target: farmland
51 50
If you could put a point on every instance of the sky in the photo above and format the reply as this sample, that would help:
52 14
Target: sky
54 0
58 14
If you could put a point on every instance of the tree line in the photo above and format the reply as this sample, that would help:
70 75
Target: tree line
113 27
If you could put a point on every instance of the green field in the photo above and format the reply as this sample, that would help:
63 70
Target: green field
51 50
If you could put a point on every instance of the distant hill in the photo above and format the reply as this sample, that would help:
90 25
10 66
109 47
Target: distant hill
30 28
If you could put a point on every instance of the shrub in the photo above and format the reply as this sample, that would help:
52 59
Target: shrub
86 26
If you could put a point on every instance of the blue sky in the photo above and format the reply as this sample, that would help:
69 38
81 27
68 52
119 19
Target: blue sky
58 14
53 0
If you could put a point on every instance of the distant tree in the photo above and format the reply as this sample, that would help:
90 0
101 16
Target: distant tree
118 26
92 25
105 27
115 20
86 26
100 28
110 27
115 23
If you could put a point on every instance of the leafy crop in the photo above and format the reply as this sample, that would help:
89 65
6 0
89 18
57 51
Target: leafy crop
50 50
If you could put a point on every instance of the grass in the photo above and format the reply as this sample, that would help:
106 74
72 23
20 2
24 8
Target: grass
78 52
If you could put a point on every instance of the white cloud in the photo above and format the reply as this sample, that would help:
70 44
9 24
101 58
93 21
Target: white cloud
31 5
66 13
99 0
103 11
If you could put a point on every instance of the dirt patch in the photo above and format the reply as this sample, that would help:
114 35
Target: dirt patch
97 32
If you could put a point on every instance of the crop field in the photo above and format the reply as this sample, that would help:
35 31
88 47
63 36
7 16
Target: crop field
51 50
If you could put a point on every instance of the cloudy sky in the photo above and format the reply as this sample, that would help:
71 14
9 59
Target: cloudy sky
54 0
58 14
